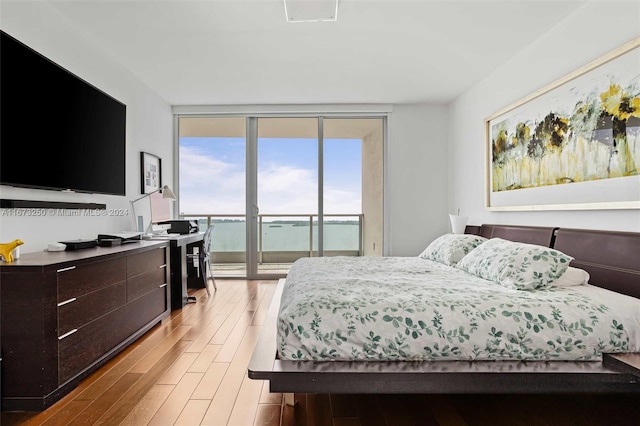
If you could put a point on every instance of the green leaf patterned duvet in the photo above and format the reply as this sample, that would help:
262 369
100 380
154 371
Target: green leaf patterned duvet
405 308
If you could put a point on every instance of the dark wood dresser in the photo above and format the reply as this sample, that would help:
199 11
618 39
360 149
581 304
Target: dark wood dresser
64 314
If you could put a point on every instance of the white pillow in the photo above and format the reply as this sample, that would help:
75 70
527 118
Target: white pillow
450 248
571 277
516 265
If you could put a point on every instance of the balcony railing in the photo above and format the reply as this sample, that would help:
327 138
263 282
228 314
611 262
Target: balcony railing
280 237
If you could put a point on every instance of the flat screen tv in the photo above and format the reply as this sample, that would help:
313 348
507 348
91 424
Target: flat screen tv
57 131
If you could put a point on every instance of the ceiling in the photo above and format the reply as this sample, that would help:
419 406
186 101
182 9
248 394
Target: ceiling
244 52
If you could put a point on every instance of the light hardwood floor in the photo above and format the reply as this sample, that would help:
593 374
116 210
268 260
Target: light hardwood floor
192 370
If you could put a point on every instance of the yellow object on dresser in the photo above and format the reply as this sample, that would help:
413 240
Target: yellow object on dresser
7 249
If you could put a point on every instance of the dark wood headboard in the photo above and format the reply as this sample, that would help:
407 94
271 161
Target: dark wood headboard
542 236
611 258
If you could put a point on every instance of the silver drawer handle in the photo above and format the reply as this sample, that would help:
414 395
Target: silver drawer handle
66 269
67 334
162 266
162 285
73 299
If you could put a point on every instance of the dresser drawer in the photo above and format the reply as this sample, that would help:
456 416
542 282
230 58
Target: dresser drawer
142 284
146 261
83 347
76 312
76 281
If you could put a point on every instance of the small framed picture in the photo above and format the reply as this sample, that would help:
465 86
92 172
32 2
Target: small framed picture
150 173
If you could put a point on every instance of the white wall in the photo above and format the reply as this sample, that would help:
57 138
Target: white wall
591 31
149 127
416 178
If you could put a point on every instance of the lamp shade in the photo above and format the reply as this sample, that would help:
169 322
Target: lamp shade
458 223
167 193
311 10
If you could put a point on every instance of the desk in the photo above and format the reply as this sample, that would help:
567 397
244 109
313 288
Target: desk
182 272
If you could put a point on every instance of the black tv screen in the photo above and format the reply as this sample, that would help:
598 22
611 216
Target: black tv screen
56 130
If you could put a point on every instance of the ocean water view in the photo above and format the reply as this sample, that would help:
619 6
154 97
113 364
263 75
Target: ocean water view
284 235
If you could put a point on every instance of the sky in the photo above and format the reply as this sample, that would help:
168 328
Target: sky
212 175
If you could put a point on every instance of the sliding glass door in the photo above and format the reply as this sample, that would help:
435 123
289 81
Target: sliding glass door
287 192
212 185
282 188
352 190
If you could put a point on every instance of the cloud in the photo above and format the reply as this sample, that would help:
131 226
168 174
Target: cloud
339 201
287 190
209 185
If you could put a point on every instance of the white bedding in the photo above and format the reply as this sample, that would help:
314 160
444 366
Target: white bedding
405 308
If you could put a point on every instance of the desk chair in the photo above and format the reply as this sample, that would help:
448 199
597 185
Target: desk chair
207 243
204 259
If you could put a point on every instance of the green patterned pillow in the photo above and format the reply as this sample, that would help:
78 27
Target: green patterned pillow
516 265
450 248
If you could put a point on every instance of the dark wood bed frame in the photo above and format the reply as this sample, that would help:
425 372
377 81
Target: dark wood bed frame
612 260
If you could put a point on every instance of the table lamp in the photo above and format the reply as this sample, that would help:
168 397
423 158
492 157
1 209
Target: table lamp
458 223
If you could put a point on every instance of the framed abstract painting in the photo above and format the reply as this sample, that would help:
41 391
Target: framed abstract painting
573 145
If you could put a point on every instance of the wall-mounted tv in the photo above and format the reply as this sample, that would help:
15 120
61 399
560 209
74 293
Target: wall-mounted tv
56 130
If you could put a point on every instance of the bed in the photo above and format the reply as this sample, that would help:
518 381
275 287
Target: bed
611 258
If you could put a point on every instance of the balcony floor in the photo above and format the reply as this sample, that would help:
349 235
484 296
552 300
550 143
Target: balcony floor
224 270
